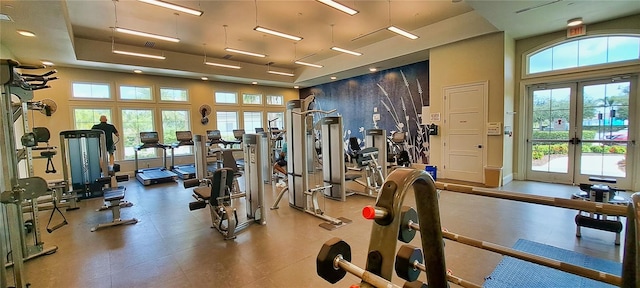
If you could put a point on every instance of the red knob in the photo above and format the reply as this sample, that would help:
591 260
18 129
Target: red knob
369 212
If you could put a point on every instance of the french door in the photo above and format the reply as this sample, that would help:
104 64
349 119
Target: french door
581 129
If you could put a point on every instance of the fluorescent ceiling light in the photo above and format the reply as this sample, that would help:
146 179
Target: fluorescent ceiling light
333 78
373 69
346 51
574 22
5 17
281 73
222 65
254 83
145 34
138 71
296 87
276 33
173 7
339 6
47 63
308 64
160 57
204 78
245 52
26 33
402 32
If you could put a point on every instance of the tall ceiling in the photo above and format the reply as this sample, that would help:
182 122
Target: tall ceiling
77 33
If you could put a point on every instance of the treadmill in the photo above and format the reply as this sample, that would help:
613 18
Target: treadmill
187 171
157 175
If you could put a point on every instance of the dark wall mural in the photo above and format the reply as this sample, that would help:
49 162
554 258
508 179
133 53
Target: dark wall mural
390 99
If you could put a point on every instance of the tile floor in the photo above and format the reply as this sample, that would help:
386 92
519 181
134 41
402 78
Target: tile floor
174 247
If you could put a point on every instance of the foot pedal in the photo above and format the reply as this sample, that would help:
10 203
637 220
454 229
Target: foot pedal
331 227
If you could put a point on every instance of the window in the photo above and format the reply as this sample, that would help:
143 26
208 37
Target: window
275 100
135 93
174 94
276 119
91 90
226 123
584 52
85 118
226 98
252 120
172 121
254 99
135 121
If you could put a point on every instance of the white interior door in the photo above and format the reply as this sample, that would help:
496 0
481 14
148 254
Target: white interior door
464 121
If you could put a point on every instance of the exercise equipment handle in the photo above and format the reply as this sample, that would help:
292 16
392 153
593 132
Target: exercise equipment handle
191 183
58 226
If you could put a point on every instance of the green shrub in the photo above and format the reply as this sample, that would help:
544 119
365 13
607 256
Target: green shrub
617 149
586 148
537 155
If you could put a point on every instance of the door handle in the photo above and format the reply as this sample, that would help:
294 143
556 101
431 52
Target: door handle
479 146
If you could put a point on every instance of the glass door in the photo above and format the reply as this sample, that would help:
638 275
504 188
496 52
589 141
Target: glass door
605 147
551 133
582 129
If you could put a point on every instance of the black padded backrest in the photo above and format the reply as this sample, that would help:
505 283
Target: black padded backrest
228 161
259 130
353 144
221 183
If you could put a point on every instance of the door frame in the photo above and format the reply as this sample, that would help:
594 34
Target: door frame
484 86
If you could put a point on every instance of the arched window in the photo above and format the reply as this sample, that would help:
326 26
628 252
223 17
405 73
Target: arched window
584 52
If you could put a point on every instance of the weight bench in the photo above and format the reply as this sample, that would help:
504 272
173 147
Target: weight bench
601 193
113 201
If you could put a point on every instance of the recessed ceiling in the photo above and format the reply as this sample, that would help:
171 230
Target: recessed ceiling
80 33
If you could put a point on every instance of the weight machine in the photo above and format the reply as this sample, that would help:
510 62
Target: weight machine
372 159
299 124
16 189
217 193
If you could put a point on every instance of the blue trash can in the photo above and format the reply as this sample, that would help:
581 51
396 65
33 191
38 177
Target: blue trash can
433 171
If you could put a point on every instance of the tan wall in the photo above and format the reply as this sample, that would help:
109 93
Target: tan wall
509 109
200 92
5 53
469 61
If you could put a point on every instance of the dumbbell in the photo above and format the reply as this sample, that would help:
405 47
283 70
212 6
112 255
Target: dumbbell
409 264
333 263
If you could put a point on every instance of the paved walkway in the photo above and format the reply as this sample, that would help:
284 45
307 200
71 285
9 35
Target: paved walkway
592 164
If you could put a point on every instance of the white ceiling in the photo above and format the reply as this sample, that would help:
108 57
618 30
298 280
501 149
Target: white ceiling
77 33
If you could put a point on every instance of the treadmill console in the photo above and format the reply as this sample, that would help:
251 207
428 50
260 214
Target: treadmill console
184 138
214 136
238 134
149 137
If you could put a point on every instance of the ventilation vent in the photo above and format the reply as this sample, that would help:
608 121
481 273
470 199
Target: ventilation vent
149 44
227 56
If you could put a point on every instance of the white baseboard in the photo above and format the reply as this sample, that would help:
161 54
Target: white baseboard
507 179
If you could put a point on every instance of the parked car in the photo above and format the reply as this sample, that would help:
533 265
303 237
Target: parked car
620 135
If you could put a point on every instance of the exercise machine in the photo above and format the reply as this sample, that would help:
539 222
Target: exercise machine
156 175
217 191
17 89
372 161
333 166
187 171
299 124
599 192
84 156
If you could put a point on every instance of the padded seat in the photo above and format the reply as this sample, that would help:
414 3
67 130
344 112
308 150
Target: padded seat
112 194
203 192
351 176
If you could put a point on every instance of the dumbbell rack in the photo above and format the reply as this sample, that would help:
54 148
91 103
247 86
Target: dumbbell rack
16 190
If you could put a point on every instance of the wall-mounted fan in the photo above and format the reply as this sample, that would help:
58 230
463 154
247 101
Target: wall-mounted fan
205 110
49 107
